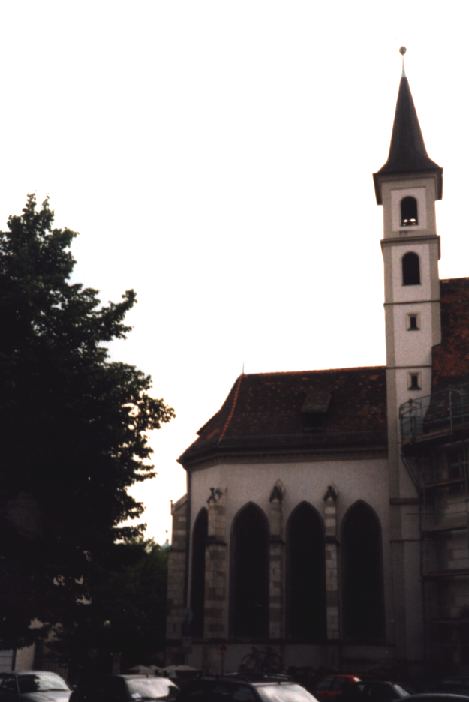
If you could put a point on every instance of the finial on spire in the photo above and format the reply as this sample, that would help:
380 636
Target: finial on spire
402 52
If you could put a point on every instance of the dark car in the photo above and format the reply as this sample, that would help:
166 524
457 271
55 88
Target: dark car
238 689
374 691
436 697
123 688
332 687
456 684
33 686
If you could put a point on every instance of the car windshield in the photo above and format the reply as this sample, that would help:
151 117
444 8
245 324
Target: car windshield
150 688
284 693
403 692
40 682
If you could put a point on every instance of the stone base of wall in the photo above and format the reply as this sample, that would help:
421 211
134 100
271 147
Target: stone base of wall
218 658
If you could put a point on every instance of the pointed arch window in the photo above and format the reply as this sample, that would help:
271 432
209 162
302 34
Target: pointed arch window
249 591
305 582
409 212
410 269
362 571
199 543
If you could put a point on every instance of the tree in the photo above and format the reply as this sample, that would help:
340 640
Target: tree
127 614
73 427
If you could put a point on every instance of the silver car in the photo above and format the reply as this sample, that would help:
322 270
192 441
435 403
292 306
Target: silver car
33 686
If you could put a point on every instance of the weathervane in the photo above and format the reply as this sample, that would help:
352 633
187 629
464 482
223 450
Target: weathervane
402 51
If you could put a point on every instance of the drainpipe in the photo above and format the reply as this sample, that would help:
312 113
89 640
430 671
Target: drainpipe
188 537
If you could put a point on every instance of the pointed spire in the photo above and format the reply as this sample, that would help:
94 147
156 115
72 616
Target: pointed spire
407 153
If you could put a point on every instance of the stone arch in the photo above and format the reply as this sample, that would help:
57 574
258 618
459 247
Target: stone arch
199 542
305 575
249 590
362 575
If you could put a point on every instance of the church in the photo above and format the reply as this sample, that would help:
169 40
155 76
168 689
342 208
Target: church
326 511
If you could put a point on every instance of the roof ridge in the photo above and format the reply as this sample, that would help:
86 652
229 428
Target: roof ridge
450 280
232 409
316 370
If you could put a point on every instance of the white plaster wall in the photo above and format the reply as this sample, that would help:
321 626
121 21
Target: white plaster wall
393 190
402 391
413 602
414 347
407 293
6 659
396 197
365 479
399 381
303 480
25 658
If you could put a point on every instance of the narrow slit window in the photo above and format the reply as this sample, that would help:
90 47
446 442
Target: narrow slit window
410 269
414 381
412 322
409 216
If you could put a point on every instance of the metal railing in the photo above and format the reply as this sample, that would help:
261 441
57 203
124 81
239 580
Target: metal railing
441 412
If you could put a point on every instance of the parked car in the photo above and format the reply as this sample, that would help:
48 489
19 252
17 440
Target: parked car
374 691
236 688
33 686
181 674
456 684
123 688
436 697
333 686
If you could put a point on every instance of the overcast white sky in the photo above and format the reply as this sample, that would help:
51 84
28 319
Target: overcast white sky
217 157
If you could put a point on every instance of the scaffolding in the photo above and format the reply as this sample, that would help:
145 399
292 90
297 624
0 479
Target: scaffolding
430 416
435 450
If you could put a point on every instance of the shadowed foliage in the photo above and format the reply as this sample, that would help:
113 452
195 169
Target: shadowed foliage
73 427
126 616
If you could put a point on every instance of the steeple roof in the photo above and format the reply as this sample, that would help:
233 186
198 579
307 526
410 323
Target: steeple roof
407 153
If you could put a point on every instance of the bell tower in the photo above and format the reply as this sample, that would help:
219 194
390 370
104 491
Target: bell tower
407 187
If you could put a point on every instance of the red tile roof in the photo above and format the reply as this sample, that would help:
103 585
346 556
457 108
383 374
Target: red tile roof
311 410
450 358
328 410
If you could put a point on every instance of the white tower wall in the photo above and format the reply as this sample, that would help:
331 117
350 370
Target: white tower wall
409 345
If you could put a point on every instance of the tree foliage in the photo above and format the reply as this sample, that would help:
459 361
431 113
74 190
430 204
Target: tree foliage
127 615
73 426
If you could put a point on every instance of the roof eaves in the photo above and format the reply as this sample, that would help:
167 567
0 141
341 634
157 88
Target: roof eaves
254 446
232 408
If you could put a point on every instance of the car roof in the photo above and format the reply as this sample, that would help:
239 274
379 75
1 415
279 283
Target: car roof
436 696
378 681
129 676
90 677
236 678
29 672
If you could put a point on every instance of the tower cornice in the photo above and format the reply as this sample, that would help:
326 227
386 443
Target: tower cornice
406 239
